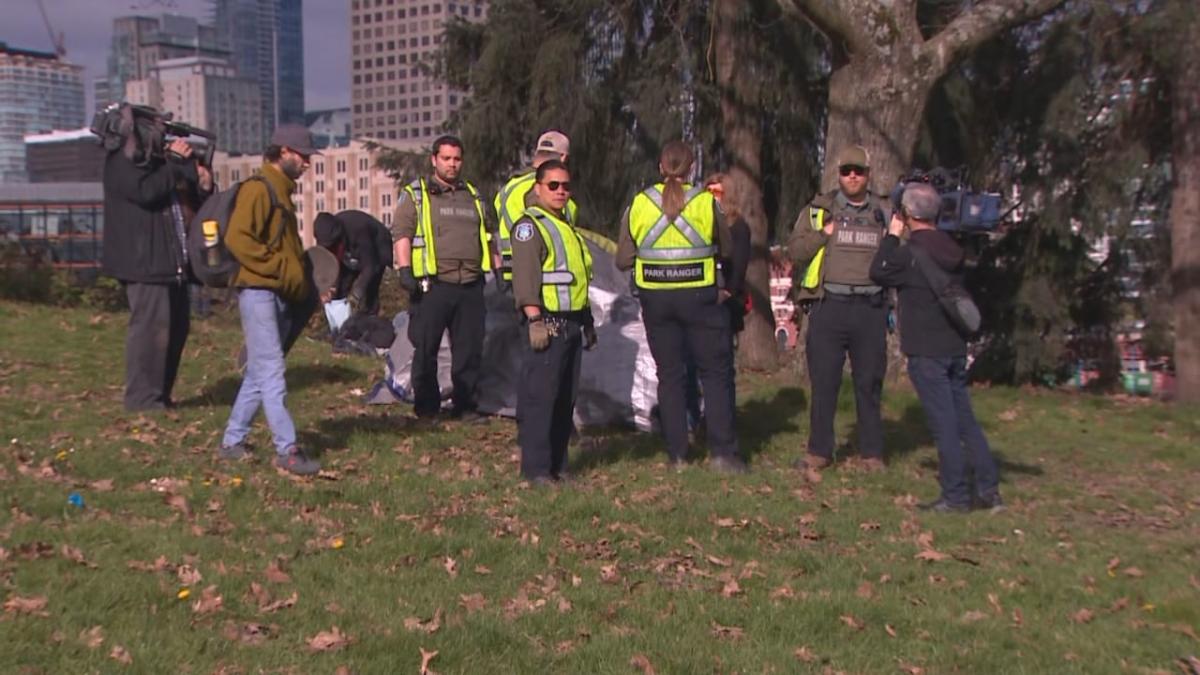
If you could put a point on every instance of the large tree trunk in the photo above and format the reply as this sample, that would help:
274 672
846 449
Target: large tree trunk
742 131
1185 211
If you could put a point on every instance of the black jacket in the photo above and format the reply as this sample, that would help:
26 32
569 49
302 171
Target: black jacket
363 244
925 330
140 240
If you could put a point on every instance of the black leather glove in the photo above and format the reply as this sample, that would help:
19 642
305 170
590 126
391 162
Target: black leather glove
407 281
589 337
539 335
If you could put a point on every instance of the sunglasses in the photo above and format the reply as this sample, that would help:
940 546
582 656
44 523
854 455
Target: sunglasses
554 185
852 169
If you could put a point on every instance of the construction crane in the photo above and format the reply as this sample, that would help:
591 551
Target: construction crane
57 40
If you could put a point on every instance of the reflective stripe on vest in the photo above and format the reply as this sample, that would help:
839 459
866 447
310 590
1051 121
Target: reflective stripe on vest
676 253
424 243
568 264
812 275
510 206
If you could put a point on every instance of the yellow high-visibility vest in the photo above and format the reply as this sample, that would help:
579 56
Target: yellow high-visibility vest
567 269
510 206
424 244
675 253
812 275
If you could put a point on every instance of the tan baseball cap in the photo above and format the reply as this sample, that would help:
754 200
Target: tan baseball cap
553 141
854 155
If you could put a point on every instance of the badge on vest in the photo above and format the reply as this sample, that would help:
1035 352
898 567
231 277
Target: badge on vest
524 232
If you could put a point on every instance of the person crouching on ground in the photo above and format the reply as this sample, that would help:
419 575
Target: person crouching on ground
552 269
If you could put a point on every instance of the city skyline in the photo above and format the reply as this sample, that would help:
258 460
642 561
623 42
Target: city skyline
87 26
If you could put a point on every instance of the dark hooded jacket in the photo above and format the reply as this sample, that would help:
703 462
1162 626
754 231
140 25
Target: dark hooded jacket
925 330
141 243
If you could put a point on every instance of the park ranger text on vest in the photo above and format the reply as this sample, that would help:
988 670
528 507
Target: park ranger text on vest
518 194
442 250
833 241
671 236
552 269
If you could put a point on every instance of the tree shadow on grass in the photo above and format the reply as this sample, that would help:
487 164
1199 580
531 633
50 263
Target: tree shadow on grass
760 420
224 391
332 434
601 446
912 431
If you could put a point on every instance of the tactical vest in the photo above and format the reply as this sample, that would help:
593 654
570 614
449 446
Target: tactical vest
675 253
816 217
510 206
424 243
567 269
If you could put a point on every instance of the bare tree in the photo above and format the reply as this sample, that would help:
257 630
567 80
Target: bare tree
885 67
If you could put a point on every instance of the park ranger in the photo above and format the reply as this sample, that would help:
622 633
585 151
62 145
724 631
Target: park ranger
552 269
442 250
518 194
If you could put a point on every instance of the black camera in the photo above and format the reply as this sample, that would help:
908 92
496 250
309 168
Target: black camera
963 210
154 130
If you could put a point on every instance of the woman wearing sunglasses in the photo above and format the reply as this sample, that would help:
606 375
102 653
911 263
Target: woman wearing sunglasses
551 272
671 237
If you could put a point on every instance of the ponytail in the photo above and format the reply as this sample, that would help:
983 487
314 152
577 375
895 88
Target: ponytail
675 162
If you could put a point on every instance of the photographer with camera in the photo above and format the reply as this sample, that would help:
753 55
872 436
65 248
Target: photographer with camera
145 248
936 349
834 240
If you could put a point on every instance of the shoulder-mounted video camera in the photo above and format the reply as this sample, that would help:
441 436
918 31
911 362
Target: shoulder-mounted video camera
153 130
963 210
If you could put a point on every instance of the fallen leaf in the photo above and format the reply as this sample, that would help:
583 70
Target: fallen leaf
869 526
973 616
930 555
852 622
179 503
719 562
887 628
1083 616
805 654
451 566
275 573
473 602
1009 415
426 658
188 575
35 605
208 602
102 485
75 555
285 603
1133 572
731 588
784 591
327 641
994 601
92 637
727 632
640 661
609 574
415 624
911 669
248 633
120 655
865 590
481 569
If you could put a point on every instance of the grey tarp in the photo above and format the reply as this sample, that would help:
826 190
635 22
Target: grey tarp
617 385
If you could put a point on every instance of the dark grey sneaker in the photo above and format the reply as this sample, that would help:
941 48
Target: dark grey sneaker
295 461
992 502
237 451
942 506
732 464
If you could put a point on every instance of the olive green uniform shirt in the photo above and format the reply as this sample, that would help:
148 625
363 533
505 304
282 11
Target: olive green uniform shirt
857 233
455 225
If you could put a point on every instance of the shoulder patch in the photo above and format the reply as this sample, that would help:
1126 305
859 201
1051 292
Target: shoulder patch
524 231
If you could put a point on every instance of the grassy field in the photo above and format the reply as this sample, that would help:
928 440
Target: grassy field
421 549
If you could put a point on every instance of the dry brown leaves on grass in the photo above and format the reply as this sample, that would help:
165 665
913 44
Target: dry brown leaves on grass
34 606
1083 616
92 637
416 624
120 655
328 641
209 601
275 573
427 658
727 632
473 602
641 662
248 633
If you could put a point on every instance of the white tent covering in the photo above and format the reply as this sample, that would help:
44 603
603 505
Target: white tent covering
617 383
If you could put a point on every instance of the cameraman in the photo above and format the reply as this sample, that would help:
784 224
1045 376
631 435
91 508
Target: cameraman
937 352
145 250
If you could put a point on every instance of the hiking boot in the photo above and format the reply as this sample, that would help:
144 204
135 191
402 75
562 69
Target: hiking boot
873 465
235 452
940 505
811 461
730 464
992 502
298 463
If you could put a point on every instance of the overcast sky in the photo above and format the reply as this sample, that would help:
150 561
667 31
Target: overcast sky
87 25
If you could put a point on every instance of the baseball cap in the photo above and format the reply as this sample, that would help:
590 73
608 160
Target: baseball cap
295 137
921 201
553 141
854 155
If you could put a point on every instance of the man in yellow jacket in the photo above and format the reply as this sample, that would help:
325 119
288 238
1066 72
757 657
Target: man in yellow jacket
275 296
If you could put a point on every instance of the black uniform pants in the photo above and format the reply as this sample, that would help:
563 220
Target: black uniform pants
837 325
690 323
546 402
459 309
159 319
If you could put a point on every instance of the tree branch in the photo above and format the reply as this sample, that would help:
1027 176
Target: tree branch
833 18
979 24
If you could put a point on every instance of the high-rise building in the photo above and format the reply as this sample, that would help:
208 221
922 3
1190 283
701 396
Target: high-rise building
393 46
330 128
70 156
207 93
39 92
140 42
266 43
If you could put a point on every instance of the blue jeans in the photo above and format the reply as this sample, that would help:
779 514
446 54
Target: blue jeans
271 326
941 384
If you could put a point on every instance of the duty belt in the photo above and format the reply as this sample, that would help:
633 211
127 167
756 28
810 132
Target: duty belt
847 289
